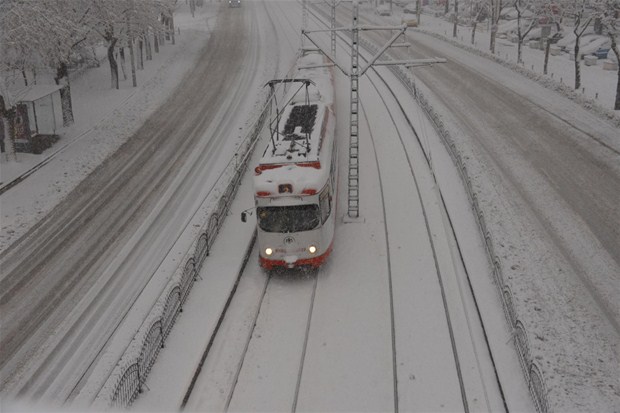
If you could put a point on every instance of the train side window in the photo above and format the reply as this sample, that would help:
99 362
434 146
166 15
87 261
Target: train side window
325 202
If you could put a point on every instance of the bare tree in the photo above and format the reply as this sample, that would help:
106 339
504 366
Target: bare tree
495 6
524 26
551 15
608 12
481 11
577 11
6 115
456 17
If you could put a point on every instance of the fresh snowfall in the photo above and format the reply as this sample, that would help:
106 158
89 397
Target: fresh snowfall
475 261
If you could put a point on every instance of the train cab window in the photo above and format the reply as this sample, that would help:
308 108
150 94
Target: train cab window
325 200
293 218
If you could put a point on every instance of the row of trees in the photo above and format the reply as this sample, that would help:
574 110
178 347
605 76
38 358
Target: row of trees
53 34
603 15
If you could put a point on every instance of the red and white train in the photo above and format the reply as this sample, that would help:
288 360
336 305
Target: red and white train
295 182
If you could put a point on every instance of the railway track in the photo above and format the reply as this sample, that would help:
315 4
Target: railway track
290 307
525 163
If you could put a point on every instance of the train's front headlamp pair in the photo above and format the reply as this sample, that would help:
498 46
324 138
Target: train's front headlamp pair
312 249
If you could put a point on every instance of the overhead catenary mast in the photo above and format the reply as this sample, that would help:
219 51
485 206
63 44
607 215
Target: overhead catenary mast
354 73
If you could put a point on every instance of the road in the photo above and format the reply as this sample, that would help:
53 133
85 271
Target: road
68 282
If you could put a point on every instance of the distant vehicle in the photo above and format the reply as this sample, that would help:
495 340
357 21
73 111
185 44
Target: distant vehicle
295 182
234 3
602 53
383 10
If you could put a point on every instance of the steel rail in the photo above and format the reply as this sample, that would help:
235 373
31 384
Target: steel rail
451 228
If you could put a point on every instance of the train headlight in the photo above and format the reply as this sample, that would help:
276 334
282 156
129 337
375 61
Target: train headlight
268 251
312 249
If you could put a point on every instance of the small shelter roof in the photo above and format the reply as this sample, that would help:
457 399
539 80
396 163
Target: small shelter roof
35 92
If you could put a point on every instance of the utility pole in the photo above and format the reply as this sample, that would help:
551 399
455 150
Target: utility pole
354 73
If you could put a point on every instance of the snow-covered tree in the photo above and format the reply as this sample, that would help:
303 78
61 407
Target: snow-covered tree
110 21
34 33
106 19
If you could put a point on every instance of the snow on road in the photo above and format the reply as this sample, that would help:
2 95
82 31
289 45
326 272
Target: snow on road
104 120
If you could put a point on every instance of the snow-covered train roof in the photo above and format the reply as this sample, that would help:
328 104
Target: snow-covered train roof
296 153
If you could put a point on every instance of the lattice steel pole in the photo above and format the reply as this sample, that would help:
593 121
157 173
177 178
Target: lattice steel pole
354 193
304 19
353 207
333 26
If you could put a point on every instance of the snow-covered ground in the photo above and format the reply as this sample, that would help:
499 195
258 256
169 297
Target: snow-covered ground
597 84
105 119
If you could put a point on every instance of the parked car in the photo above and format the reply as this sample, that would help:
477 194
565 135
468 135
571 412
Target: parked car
593 43
234 3
602 52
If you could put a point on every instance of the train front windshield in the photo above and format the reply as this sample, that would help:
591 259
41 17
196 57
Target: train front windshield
292 218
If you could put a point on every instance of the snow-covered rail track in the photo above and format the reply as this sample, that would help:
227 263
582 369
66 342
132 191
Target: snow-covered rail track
259 345
541 183
431 228
430 329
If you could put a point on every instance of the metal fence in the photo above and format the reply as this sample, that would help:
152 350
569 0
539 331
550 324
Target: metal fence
129 375
531 370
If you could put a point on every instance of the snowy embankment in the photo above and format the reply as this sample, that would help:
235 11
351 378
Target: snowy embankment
563 336
545 81
557 323
104 120
598 89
